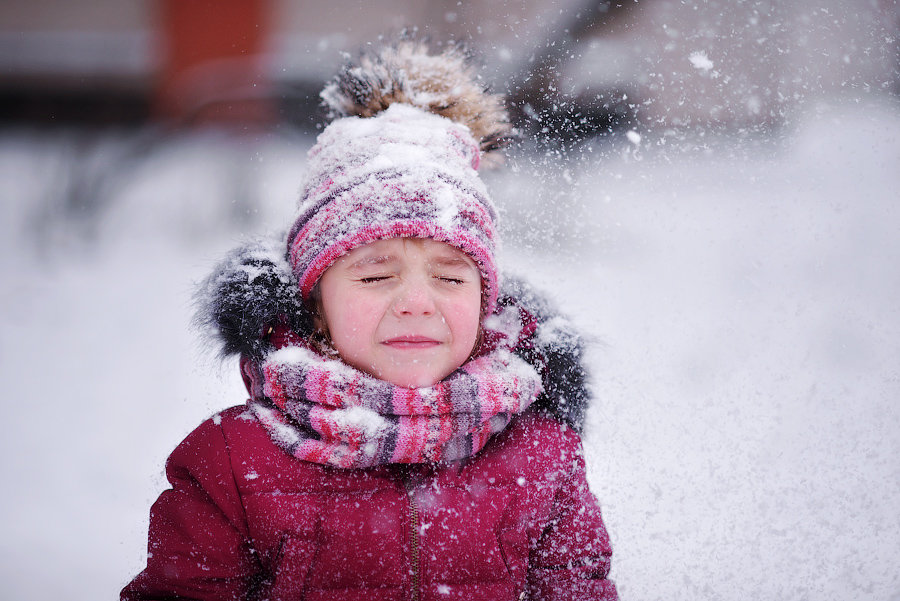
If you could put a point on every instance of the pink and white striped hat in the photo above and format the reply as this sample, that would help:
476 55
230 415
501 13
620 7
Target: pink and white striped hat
400 169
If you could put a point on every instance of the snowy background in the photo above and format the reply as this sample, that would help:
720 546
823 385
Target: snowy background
743 298
740 285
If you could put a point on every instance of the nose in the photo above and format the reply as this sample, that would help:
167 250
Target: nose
414 298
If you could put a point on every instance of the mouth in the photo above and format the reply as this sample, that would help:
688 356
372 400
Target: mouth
411 342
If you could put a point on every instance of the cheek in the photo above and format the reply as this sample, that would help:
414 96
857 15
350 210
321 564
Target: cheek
464 319
352 318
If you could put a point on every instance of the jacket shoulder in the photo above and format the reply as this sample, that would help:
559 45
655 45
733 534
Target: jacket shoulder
533 448
535 428
212 435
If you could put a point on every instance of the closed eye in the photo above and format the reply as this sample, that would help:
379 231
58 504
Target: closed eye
451 280
373 279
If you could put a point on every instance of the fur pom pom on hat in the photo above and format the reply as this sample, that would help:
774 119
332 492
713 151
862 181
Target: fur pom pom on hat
400 160
443 84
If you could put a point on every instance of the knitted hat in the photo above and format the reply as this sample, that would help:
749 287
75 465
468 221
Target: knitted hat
401 160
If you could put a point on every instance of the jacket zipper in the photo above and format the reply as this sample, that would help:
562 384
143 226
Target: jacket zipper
414 541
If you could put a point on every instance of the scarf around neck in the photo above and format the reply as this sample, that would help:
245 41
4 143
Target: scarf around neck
324 411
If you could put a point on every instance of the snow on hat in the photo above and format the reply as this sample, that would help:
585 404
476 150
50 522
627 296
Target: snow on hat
400 160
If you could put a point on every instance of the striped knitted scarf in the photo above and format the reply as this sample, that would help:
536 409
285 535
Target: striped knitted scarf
324 411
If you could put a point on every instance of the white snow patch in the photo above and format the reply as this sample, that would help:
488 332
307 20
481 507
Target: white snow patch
554 331
292 355
253 272
361 419
507 323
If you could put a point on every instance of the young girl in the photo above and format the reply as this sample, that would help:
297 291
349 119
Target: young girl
413 424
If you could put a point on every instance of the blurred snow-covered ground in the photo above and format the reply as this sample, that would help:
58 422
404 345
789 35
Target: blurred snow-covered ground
742 294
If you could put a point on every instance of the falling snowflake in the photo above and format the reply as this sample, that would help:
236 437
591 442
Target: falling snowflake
700 61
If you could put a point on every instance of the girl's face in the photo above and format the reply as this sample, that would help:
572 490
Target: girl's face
405 310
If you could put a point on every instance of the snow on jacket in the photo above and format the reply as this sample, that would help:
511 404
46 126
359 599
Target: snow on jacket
244 520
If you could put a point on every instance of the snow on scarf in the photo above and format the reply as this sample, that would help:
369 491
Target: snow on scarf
324 411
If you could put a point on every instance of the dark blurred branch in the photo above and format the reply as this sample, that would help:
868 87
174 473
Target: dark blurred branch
534 93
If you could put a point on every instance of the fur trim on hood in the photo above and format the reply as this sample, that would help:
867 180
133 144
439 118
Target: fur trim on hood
253 289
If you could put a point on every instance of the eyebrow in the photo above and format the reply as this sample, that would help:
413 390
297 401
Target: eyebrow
376 260
382 260
451 261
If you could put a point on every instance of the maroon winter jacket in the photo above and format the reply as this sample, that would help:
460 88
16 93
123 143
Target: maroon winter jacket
245 520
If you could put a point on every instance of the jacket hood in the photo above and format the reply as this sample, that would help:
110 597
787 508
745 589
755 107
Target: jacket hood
252 290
